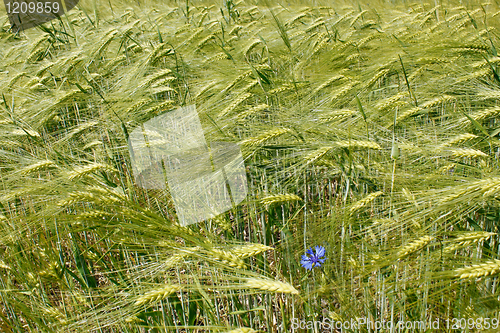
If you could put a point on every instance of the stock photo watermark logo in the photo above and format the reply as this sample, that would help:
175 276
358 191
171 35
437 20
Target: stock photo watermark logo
204 179
32 13
356 324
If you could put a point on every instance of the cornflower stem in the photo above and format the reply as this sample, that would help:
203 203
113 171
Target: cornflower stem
340 299
306 275
327 276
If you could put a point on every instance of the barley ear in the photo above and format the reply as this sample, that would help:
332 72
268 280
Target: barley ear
476 271
414 246
249 250
158 294
271 285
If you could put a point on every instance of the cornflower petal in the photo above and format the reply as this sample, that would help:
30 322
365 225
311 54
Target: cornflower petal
320 251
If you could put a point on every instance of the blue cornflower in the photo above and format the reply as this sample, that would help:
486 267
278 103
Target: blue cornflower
312 259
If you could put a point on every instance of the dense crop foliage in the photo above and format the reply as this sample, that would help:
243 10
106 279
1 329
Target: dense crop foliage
370 129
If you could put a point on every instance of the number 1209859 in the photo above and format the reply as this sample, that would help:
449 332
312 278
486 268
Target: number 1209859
24 7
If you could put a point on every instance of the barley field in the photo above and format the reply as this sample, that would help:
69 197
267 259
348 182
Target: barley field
369 132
